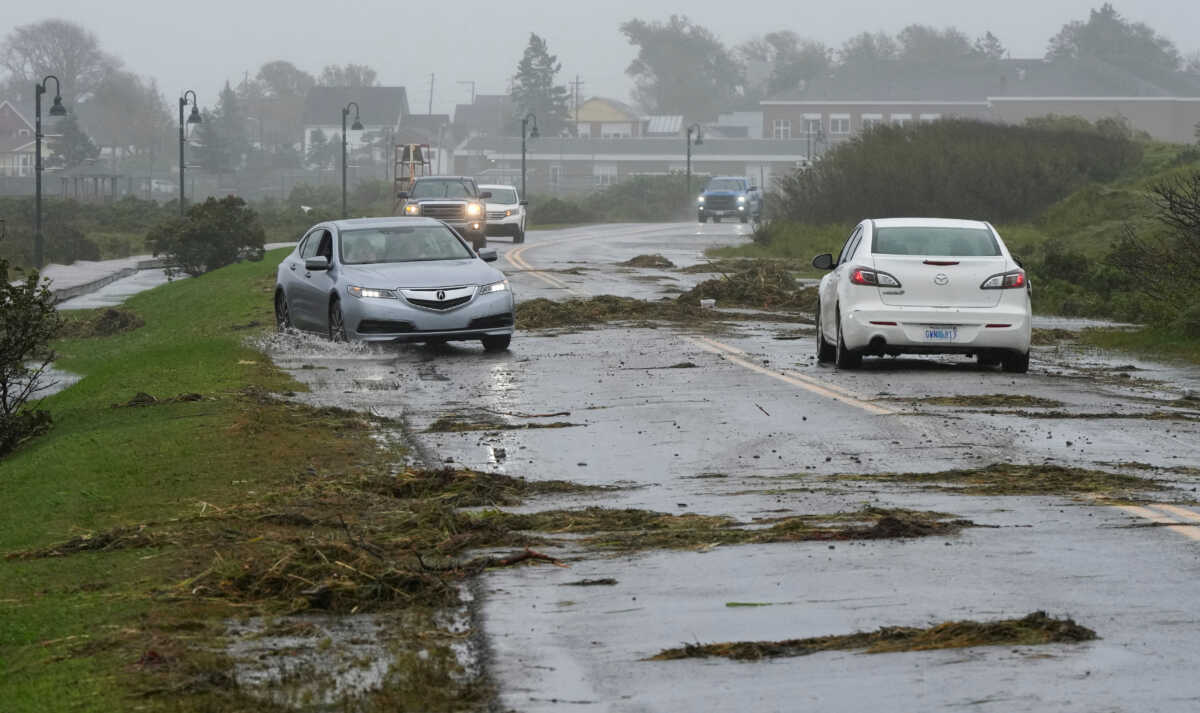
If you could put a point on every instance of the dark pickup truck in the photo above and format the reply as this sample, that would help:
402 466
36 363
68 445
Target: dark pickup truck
729 197
454 200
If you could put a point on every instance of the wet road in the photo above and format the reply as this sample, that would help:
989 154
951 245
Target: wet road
760 412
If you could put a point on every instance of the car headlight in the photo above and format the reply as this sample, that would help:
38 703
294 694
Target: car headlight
474 209
700 199
507 213
741 199
412 209
494 287
371 292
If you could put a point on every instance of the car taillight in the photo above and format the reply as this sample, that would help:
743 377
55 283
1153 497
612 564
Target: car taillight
872 278
1004 281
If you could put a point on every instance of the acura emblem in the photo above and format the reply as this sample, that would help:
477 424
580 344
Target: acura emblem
441 295
939 279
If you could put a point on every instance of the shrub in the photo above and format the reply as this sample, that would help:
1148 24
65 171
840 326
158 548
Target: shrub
213 234
28 321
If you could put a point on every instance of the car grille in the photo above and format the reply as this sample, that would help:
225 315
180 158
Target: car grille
496 215
435 304
444 211
720 203
383 326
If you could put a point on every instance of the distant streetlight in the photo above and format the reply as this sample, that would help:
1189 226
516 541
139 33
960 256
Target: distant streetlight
39 246
193 118
357 126
533 134
699 142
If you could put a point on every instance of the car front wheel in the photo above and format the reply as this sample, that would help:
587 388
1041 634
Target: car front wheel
496 343
283 315
337 323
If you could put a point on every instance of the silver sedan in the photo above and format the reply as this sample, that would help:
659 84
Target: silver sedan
393 280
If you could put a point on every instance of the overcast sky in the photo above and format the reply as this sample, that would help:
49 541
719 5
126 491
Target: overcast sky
198 45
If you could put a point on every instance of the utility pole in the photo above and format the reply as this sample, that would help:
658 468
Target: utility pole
432 78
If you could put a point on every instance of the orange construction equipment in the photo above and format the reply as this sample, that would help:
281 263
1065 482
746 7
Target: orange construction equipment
411 162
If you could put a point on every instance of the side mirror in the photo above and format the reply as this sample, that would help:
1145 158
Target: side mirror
823 262
488 254
402 195
524 202
752 188
319 262
485 194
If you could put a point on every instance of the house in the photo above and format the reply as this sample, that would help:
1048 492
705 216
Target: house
833 109
16 142
379 109
565 165
602 118
487 115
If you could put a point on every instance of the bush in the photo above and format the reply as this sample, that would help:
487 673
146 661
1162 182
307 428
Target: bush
213 234
28 321
557 211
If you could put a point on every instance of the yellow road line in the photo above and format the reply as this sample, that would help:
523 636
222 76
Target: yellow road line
801 381
795 374
1161 519
1178 511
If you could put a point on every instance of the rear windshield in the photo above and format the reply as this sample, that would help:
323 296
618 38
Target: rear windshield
401 244
945 242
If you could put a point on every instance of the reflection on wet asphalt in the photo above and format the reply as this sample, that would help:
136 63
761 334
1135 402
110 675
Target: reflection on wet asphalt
722 438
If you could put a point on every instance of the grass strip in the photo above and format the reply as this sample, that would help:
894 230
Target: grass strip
1035 629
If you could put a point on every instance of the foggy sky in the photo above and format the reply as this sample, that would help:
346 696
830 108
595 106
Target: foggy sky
199 45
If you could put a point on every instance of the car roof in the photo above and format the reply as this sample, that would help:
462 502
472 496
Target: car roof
497 185
386 221
736 178
929 223
443 178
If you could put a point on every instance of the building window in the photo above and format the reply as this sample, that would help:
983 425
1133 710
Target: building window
870 121
616 131
813 124
555 174
839 124
781 128
901 119
604 174
24 132
926 118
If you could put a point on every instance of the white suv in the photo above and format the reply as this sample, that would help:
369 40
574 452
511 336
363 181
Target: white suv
505 212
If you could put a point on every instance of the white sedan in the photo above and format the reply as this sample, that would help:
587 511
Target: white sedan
924 286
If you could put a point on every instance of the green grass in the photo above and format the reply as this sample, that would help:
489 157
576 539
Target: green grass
69 628
1157 343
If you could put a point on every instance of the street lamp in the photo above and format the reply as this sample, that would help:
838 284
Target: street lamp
357 126
533 134
193 118
699 142
39 248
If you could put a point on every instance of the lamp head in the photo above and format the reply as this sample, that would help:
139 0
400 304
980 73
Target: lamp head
533 134
699 139
194 117
58 109
357 125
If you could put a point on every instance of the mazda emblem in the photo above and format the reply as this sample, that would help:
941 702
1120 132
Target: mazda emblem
441 295
941 279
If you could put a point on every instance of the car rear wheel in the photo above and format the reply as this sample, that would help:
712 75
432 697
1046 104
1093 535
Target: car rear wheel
826 352
496 343
1016 362
844 358
283 315
337 323
745 219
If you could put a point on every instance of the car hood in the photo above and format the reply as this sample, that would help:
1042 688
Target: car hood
432 273
440 200
723 193
503 206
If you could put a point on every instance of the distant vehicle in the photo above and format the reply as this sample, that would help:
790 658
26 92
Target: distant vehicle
393 280
505 212
454 200
924 286
729 197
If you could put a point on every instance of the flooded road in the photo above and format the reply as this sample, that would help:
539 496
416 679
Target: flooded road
740 420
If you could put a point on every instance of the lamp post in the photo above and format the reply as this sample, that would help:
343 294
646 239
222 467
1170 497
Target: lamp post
699 142
357 126
39 248
193 118
533 135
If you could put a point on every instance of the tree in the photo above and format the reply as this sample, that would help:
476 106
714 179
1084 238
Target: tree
923 44
1108 36
322 152
128 114
990 47
59 47
28 321
72 146
534 89
681 68
789 58
213 234
348 75
867 51
223 135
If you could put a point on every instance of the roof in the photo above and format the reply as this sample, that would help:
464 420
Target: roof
668 148
377 106
928 223
351 223
602 109
491 113
16 144
664 125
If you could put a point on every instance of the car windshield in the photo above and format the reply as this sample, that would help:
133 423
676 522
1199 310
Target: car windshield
502 195
410 243
724 184
947 242
441 189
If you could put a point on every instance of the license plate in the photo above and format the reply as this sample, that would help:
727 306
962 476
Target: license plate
941 334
